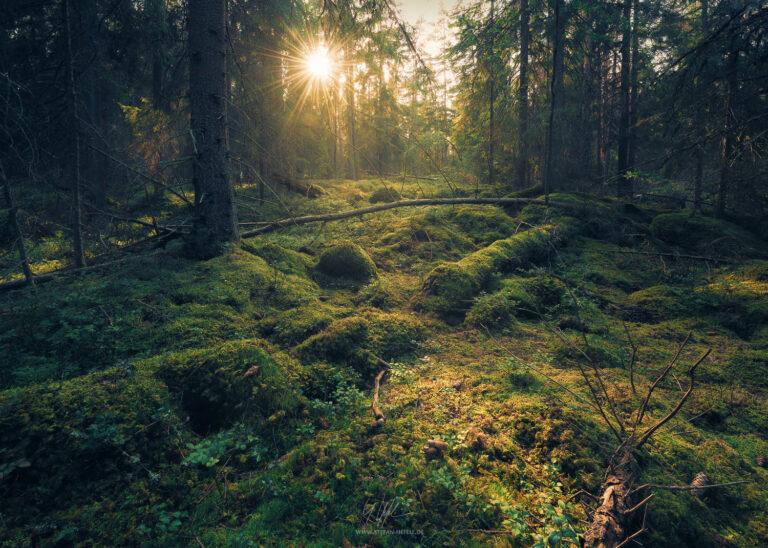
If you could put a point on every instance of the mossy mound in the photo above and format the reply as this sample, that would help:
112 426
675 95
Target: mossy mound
483 224
355 340
385 195
233 382
238 277
426 236
705 234
377 294
451 287
347 260
519 298
280 258
738 306
295 325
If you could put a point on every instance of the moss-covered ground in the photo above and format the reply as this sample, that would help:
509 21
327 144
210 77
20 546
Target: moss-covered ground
159 401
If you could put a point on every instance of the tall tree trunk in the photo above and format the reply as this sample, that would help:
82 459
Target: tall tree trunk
600 157
491 101
624 189
587 102
728 131
74 160
216 219
633 95
352 122
697 179
522 96
554 130
13 222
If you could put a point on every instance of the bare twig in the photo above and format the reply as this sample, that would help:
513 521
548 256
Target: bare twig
655 384
648 433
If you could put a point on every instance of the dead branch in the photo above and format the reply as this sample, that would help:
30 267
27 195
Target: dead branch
687 487
652 429
655 384
42 278
378 416
676 256
282 223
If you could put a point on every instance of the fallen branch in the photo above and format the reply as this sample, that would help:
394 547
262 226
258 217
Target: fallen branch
687 487
378 416
296 221
676 256
42 278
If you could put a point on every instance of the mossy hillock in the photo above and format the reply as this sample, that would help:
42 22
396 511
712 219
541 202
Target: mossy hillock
347 260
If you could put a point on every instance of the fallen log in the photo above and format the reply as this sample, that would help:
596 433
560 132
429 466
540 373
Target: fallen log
296 221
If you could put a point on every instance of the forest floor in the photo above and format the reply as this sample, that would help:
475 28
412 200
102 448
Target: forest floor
163 401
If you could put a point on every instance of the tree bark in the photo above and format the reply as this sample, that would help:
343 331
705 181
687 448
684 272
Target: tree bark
554 130
612 518
726 149
216 219
522 96
74 160
13 222
491 100
624 189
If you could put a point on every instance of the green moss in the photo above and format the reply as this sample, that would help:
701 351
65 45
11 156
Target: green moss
232 382
347 260
428 236
703 233
378 294
483 224
352 340
387 194
280 258
295 325
524 298
450 288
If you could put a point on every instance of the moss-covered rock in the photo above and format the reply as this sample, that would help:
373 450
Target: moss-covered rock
483 224
386 194
347 260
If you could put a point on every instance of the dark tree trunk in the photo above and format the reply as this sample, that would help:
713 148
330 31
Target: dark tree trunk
216 219
522 96
697 179
74 160
726 149
491 101
624 189
554 131
633 95
13 222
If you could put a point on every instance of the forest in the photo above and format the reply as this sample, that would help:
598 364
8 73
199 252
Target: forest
323 273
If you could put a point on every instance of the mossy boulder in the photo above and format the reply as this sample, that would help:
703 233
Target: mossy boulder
347 260
387 194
